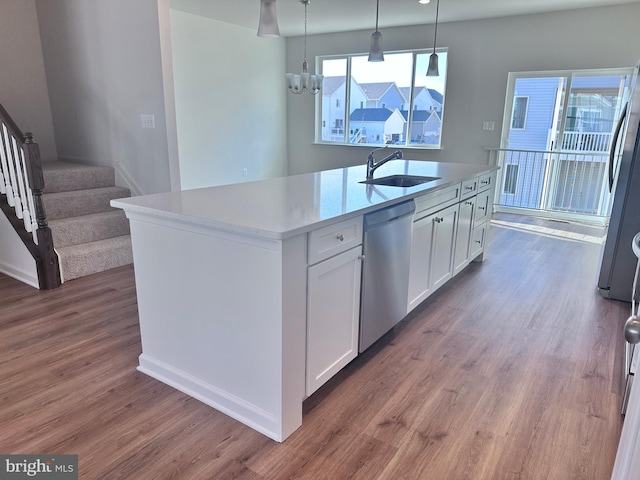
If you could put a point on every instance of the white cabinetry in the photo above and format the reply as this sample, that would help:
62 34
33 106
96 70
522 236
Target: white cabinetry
420 267
461 253
444 236
333 300
432 243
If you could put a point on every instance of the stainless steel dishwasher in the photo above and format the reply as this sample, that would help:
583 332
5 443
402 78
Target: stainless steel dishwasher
385 271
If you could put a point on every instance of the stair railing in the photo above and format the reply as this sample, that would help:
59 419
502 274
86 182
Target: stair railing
21 186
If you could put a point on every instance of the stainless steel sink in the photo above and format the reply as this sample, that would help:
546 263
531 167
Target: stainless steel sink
400 180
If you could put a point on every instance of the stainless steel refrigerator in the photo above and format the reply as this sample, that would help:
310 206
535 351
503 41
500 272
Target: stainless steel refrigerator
618 263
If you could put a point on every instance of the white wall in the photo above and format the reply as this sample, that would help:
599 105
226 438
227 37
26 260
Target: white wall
230 102
481 53
15 259
23 85
104 69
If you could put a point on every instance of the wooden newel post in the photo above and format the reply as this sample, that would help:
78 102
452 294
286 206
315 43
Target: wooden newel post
48 266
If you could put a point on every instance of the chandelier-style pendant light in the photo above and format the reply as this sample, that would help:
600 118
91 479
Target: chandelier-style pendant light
268 26
375 51
432 71
304 82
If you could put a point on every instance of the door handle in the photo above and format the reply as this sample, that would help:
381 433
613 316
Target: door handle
614 141
632 329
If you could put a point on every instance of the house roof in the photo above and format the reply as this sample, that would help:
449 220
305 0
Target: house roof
435 95
331 84
419 115
375 91
370 115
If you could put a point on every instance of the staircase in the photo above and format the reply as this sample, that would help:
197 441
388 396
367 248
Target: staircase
88 234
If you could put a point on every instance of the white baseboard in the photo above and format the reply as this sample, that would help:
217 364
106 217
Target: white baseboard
20 275
227 403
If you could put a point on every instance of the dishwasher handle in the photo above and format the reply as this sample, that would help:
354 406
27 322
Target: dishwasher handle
389 214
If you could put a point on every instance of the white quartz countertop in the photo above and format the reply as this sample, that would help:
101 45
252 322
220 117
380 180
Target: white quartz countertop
282 207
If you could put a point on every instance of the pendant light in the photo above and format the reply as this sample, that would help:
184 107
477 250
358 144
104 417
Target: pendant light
268 26
375 51
432 71
304 82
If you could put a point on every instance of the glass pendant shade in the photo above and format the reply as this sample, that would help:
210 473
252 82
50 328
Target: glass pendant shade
375 52
432 71
268 27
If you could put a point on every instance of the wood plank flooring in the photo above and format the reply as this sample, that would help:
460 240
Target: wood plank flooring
511 371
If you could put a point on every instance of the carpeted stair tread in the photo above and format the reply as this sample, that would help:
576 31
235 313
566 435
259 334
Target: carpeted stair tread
88 228
81 202
93 257
66 176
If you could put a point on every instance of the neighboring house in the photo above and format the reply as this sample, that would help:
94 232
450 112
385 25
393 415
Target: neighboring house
374 125
575 183
333 111
425 126
423 99
382 95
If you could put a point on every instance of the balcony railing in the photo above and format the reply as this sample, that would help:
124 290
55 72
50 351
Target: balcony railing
586 141
555 182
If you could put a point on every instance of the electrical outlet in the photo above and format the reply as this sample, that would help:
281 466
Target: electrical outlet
245 172
147 120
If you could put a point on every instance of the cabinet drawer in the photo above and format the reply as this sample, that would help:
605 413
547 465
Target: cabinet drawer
469 188
483 207
437 200
486 181
333 239
476 247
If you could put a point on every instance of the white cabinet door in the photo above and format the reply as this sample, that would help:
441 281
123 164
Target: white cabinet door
333 316
483 207
420 266
463 237
444 237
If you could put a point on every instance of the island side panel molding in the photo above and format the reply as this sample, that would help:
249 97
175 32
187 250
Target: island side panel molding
216 323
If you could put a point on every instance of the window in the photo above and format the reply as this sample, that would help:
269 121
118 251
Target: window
390 102
510 179
519 117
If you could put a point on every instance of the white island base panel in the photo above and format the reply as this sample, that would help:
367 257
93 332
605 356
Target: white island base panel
230 332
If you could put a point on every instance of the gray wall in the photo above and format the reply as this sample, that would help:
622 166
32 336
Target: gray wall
23 85
481 53
104 69
230 102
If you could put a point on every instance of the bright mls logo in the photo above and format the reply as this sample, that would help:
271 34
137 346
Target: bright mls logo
49 467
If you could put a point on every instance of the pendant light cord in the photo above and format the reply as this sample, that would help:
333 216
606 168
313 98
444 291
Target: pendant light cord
377 13
435 35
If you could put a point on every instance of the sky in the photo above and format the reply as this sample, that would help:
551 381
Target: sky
395 68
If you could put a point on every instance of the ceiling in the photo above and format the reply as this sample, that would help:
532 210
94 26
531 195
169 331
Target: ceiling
327 16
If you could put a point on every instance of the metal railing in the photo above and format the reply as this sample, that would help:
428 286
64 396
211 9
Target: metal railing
553 181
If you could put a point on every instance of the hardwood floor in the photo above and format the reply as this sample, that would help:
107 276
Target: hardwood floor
511 371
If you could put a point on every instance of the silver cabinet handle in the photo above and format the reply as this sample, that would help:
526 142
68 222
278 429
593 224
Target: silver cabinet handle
485 182
340 237
479 241
468 203
632 329
361 257
468 187
481 208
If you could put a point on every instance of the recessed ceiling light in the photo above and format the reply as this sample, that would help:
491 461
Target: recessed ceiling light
424 2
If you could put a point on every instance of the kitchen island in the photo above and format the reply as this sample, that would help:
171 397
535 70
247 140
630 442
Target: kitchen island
233 281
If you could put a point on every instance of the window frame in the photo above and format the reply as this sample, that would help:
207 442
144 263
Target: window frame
526 112
511 179
318 137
